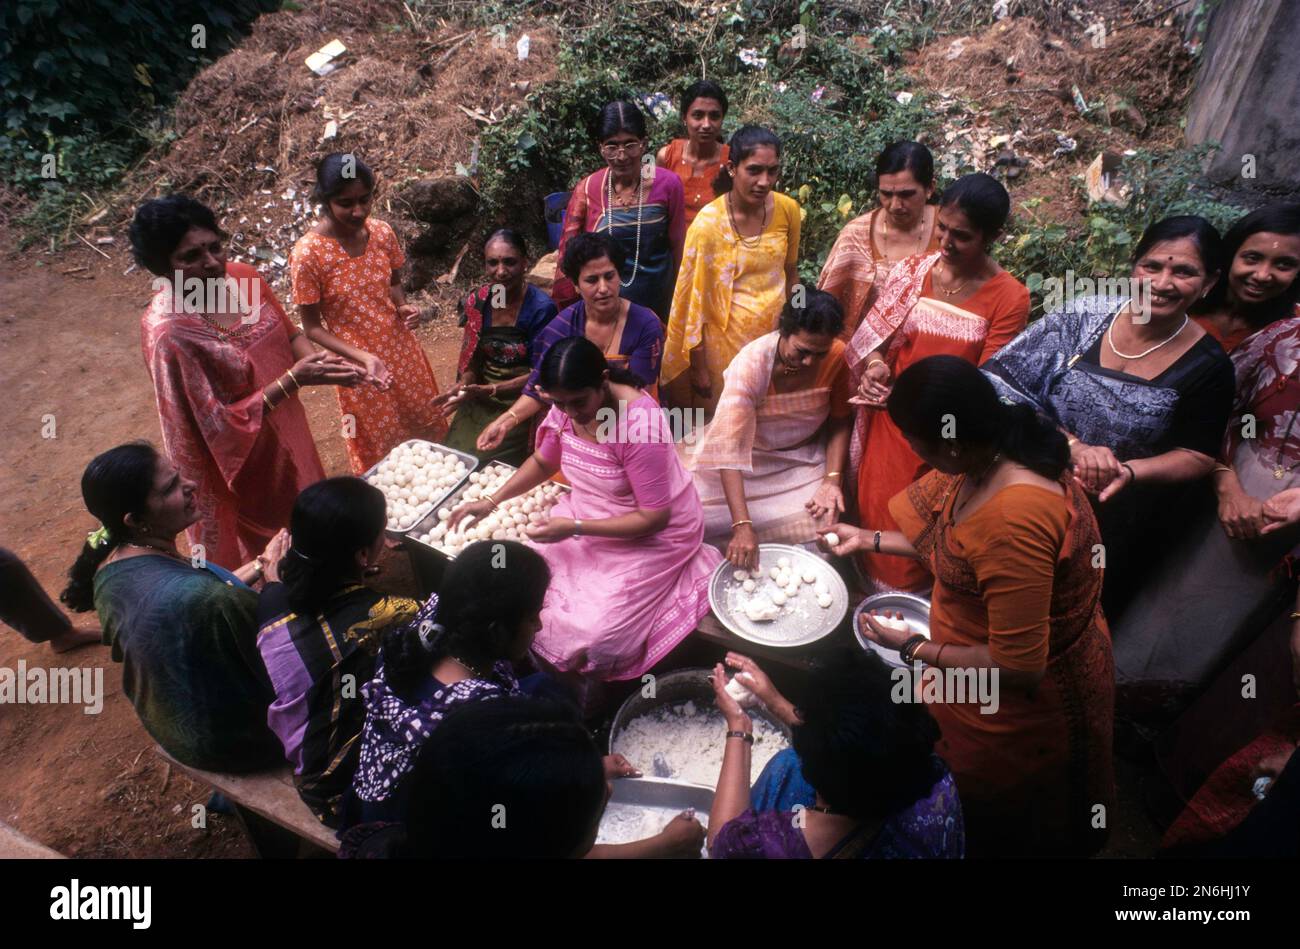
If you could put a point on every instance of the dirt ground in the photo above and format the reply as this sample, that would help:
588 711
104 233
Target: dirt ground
90 785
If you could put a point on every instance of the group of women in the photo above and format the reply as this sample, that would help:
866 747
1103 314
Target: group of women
1099 497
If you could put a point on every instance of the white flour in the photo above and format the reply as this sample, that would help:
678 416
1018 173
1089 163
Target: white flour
687 742
624 823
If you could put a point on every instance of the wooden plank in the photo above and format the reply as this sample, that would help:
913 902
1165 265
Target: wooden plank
269 794
15 845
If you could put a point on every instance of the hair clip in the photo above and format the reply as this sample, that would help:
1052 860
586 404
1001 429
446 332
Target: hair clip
430 633
97 538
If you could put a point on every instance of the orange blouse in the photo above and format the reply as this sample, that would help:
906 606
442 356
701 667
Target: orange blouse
699 188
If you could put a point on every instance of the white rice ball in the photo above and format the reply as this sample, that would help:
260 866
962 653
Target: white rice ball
749 586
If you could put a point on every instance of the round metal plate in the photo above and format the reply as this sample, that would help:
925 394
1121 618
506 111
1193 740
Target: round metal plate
915 610
801 620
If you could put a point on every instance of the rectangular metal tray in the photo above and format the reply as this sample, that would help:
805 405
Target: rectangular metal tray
663 799
471 463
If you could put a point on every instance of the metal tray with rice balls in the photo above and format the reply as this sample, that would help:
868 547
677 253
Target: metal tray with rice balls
416 477
793 599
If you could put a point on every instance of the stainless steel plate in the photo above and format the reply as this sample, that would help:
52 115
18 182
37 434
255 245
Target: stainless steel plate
649 803
915 610
435 502
801 620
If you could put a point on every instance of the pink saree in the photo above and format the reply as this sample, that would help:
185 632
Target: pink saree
249 464
616 606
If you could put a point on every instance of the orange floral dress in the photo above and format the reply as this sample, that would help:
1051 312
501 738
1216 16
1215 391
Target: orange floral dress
353 293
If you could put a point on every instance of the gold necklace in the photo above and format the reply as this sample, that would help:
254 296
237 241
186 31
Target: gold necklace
884 230
746 241
226 333
952 293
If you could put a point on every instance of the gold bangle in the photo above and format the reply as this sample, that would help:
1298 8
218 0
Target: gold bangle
490 500
267 402
511 413
736 524
831 474
1071 441
877 360
1218 468
283 391
296 383
1295 616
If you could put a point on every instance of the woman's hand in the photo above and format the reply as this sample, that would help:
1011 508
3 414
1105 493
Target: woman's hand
877 632
550 531
874 386
376 372
682 838
323 368
617 766
274 553
495 433
737 718
1281 510
755 679
852 539
1117 484
408 314
476 509
1095 466
828 501
1241 515
701 381
743 549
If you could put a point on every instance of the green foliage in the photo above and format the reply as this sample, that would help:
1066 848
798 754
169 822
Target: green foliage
79 77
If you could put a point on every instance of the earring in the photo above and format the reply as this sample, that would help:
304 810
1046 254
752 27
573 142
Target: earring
953 452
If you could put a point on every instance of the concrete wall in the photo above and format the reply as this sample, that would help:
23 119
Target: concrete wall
1247 94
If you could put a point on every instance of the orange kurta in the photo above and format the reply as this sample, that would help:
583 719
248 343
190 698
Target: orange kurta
699 187
975 329
1017 576
355 305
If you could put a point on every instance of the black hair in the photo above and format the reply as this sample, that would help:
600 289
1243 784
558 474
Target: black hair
508 778
330 522
703 89
575 362
820 313
511 237
1201 232
746 140
114 484
620 116
867 755
582 249
939 391
486 593
159 225
1270 219
331 180
982 199
907 156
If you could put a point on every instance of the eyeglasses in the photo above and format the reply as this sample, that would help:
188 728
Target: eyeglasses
620 151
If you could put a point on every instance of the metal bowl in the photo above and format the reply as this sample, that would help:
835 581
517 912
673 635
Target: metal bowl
801 621
915 610
680 686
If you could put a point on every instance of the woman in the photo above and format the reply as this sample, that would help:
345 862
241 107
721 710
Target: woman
772 461
185 634
959 302
639 205
319 631
740 266
1009 538
1141 391
629 574
698 158
346 274
630 336
227 365
503 320
1226 583
510 779
459 648
860 782
29 610
870 246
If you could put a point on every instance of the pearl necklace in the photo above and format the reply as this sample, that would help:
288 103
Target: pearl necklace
1110 340
609 221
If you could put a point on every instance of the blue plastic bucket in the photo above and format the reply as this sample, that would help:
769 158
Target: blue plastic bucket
554 208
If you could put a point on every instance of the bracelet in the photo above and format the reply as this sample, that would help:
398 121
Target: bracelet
907 652
1218 468
876 543
283 390
511 413
831 474
267 402
939 655
876 360
736 524
296 383
487 496
1071 441
577 526
746 737
1131 473
1295 616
